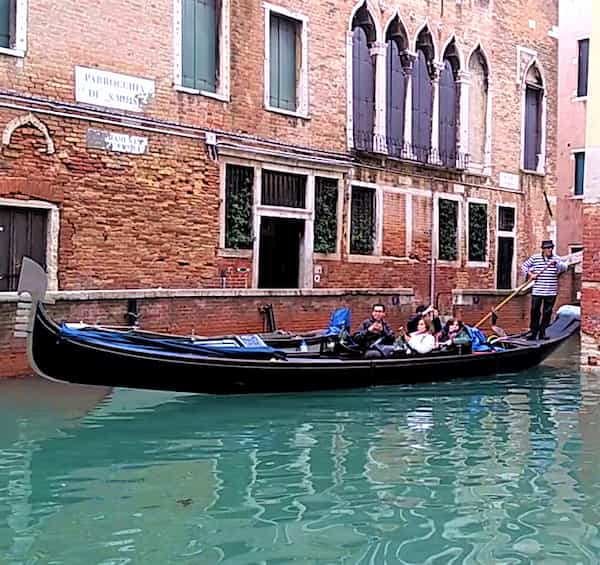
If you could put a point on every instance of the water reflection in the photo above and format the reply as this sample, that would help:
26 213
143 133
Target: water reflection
499 470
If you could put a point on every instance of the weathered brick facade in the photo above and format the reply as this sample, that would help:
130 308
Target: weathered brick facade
155 219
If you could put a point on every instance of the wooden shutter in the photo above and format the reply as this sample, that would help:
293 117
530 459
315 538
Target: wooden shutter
200 40
422 107
22 233
283 62
533 127
363 91
447 116
395 100
5 23
583 66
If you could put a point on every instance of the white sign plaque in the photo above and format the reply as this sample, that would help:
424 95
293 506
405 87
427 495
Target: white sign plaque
113 90
509 180
119 142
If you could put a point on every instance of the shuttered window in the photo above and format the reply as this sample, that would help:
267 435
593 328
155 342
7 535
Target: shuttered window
533 127
325 230
7 14
582 67
363 91
200 44
395 99
362 221
239 184
477 231
283 75
447 229
579 173
422 107
447 116
22 234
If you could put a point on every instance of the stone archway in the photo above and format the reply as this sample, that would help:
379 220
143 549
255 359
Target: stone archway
28 119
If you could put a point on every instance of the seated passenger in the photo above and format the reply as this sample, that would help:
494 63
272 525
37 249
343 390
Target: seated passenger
427 313
374 329
455 337
420 341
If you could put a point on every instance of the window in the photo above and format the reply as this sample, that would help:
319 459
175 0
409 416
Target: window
534 96
448 105
422 97
283 189
362 221
286 81
363 79
447 230
282 83
239 183
325 226
23 232
505 250
395 84
582 67
478 108
478 228
579 173
202 47
13 26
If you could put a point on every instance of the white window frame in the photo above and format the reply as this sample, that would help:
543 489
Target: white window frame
574 152
459 228
20 47
503 233
223 85
573 248
302 106
375 256
477 264
52 231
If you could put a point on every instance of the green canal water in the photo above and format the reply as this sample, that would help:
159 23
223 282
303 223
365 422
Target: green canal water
500 470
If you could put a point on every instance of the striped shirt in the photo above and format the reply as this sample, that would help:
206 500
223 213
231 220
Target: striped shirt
547 282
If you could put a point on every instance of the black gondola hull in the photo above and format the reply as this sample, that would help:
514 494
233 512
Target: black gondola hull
55 356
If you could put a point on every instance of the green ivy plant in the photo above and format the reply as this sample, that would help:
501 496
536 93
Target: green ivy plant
477 231
238 210
325 230
448 229
362 231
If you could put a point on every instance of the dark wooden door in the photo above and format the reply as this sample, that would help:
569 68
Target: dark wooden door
422 107
506 248
447 119
22 233
363 91
279 252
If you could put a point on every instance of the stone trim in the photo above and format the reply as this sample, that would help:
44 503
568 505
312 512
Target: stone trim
27 119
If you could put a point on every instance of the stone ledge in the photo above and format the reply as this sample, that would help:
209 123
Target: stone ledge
466 296
123 294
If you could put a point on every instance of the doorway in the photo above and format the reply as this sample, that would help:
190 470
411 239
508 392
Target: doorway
279 252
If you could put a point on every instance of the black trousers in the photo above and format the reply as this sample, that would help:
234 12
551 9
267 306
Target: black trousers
545 304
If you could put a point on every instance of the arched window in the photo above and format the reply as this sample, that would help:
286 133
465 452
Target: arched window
363 79
534 97
422 97
448 101
396 81
478 107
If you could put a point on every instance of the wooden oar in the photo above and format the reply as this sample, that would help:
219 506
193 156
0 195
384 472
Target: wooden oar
505 301
570 259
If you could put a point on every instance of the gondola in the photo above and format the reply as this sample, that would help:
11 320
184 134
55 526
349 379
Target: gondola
82 354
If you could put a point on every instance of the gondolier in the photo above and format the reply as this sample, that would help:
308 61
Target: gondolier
544 268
